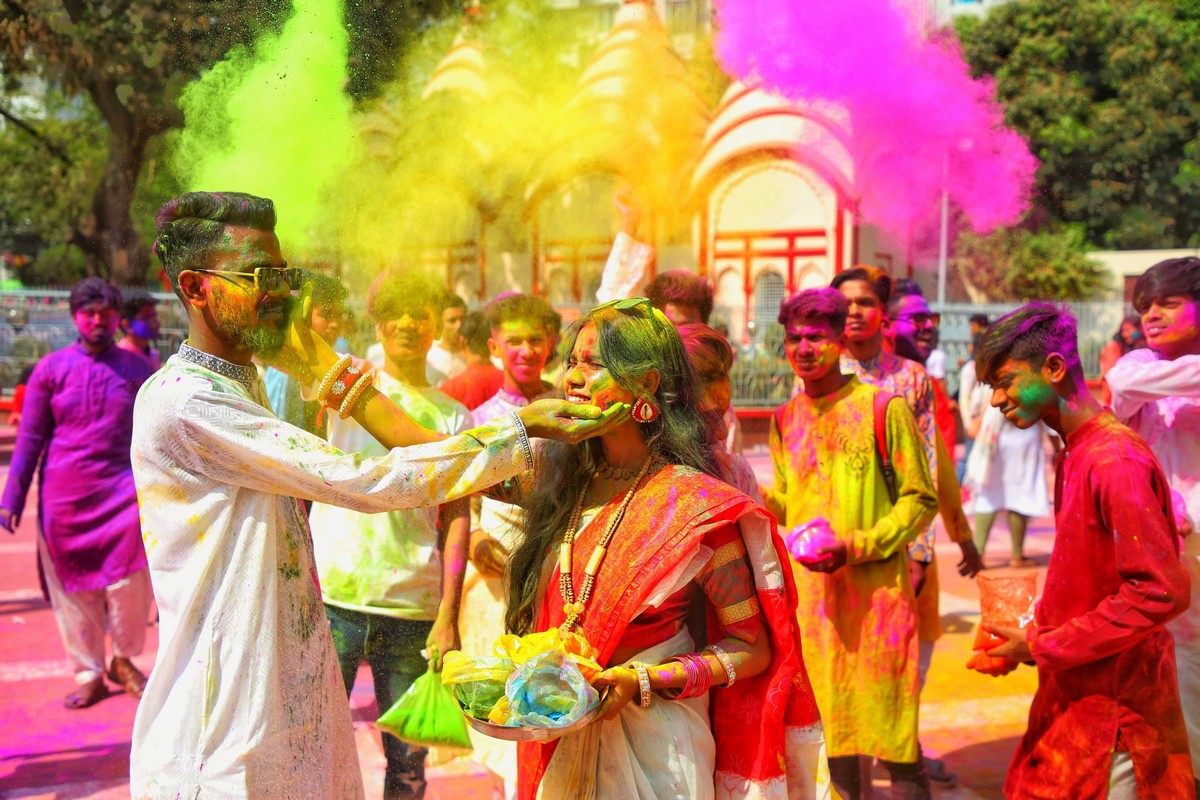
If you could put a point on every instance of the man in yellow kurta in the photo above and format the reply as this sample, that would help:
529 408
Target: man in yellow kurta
857 612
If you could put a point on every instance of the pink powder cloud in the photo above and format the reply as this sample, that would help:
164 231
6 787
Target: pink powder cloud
916 114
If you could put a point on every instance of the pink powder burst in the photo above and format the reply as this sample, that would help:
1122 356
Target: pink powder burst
919 122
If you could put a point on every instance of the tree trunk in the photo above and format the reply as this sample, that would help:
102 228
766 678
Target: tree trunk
112 245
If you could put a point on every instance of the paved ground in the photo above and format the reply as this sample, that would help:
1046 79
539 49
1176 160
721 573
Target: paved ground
49 753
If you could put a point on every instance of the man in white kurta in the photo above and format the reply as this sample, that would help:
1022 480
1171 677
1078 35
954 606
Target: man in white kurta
246 699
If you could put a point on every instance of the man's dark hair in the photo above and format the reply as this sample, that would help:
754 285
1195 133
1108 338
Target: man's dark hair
825 304
517 306
1170 278
980 319
681 288
451 300
401 289
476 330
190 227
134 301
879 281
1029 334
905 287
327 290
91 290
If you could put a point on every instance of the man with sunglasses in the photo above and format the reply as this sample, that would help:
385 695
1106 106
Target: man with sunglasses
246 699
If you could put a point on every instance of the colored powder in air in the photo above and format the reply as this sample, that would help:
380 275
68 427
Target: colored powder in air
496 120
273 120
919 122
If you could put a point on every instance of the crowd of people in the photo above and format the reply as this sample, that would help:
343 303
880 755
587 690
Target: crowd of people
294 510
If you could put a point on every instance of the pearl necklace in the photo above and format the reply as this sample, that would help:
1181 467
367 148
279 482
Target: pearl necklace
572 608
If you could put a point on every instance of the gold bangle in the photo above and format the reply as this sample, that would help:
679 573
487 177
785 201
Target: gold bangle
352 395
726 663
645 695
330 377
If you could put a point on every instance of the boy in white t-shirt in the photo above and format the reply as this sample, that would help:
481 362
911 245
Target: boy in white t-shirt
391 587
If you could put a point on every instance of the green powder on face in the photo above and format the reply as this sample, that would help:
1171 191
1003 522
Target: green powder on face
274 120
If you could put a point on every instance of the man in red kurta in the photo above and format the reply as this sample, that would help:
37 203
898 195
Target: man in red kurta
1106 720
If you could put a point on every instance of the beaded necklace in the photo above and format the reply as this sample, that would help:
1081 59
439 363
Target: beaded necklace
572 608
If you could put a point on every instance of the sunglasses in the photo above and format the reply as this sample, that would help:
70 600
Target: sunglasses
266 279
921 320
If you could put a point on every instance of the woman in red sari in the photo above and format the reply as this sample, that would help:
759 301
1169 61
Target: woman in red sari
676 578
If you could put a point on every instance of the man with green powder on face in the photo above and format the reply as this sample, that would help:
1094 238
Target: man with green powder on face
246 699
1106 721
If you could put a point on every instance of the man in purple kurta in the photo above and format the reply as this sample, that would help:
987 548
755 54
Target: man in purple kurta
78 420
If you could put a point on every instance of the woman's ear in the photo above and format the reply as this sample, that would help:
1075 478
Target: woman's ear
651 380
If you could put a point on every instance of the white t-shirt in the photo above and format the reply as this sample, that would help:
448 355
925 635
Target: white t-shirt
387 563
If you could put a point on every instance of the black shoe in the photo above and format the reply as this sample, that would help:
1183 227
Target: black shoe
939 774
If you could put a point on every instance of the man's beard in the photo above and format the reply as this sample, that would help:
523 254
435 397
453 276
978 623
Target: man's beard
261 337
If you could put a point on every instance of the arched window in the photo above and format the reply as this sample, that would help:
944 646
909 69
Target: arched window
769 293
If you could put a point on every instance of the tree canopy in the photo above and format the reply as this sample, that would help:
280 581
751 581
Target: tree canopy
1107 92
121 66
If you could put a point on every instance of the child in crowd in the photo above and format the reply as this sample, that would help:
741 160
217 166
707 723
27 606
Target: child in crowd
1156 391
481 379
857 611
391 586
1106 720
446 357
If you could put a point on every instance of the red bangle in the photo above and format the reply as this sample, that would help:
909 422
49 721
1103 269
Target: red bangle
341 385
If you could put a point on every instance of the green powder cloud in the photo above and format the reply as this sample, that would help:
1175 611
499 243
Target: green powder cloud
273 120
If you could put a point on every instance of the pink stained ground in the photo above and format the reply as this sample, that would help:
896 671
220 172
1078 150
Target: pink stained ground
49 753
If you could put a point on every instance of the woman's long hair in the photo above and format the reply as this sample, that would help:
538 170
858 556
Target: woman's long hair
631 341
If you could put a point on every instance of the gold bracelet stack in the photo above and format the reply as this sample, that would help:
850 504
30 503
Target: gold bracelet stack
352 394
643 676
726 662
327 382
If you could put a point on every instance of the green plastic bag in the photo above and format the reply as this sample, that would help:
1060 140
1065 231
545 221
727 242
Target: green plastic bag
427 715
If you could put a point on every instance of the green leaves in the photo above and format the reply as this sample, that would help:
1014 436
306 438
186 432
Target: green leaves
1108 94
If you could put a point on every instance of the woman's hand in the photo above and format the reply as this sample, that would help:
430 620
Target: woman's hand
622 686
8 520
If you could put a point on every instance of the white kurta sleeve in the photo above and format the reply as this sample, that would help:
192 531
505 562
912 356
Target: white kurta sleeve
236 441
1141 377
625 269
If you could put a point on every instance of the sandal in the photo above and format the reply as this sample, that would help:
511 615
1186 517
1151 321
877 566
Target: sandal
1022 562
123 673
86 695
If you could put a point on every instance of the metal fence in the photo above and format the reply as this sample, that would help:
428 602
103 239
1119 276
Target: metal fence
761 376
44 324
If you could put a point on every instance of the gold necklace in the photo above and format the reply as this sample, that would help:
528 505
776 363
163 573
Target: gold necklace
572 608
607 470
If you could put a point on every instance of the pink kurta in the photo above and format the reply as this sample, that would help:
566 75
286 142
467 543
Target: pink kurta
78 419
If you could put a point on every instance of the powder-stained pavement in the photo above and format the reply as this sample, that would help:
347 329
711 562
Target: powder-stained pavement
50 753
